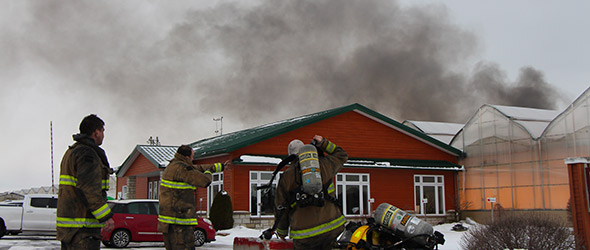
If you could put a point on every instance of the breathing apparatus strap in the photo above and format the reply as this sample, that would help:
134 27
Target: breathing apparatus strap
280 166
267 234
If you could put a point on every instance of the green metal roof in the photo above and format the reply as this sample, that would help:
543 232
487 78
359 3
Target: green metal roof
236 140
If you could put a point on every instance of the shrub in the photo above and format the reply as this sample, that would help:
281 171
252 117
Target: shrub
221 214
532 231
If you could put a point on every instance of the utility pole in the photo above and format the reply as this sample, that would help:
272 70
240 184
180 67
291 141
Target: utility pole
220 130
51 133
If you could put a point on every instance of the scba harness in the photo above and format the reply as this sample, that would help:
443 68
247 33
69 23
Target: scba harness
308 180
299 198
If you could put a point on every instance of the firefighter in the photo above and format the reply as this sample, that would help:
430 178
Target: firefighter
180 179
316 223
84 179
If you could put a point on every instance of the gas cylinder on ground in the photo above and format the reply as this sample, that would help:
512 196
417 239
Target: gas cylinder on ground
398 220
311 177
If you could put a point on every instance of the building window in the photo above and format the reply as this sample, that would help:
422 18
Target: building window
353 191
153 189
429 194
259 204
215 187
124 190
150 190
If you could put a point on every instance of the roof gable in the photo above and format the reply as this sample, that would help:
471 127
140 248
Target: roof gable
236 140
160 156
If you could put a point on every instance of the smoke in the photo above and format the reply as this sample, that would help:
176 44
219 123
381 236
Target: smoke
263 61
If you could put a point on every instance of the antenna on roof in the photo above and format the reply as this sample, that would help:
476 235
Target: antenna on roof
152 141
220 130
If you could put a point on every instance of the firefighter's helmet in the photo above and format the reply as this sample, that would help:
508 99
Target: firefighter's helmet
359 238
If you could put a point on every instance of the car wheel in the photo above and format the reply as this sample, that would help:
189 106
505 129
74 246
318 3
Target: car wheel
2 228
120 238
200 237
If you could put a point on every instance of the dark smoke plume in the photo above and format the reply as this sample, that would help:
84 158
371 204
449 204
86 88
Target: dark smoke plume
271 60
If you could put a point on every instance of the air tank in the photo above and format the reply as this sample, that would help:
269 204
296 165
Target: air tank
400 221
309 164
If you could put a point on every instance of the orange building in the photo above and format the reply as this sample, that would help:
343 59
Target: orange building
388 162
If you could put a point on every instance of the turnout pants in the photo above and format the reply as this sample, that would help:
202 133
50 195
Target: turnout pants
179 237
85 238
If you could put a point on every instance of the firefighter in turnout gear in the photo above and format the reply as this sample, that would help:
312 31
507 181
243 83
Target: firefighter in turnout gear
84 179
314 223
180 179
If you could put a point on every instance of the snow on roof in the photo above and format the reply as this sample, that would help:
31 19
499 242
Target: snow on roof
260 159
446 128
160 154
252 159
533 120
527 114
442 131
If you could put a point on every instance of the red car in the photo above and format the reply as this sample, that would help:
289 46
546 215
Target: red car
137 220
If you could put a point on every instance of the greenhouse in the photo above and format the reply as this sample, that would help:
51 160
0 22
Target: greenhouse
515 156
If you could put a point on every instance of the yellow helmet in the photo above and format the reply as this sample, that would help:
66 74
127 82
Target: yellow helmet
361 234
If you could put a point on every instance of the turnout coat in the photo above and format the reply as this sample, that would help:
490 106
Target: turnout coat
311 222
83 182
178 184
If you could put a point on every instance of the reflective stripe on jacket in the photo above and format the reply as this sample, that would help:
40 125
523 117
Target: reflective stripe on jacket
179 221
83 180
314 231
72 181
178 184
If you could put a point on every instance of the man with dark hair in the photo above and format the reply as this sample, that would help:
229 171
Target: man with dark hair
84 179
179 181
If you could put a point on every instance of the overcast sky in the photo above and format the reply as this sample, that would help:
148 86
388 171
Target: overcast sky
166 69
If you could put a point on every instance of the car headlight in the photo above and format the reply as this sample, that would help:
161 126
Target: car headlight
207 220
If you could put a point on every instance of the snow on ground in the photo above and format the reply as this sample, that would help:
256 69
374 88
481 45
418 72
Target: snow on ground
224 240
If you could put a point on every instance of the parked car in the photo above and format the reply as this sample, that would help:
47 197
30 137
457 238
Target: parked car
137 221
36 214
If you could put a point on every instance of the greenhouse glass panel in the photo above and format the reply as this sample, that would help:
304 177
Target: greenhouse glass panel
523 174
473 177
539 203
559 196
474 199
505 197
524 198
458 141
490 177
504 176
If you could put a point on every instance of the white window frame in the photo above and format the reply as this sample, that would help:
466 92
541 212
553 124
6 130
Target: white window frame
154 189
341 183
259 182
214 183
439 182
124 190
150 193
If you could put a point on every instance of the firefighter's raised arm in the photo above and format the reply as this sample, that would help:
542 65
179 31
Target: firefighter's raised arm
334 161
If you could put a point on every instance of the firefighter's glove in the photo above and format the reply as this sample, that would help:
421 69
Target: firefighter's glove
267 234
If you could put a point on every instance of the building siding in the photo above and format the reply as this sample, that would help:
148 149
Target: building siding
141 165
359 135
